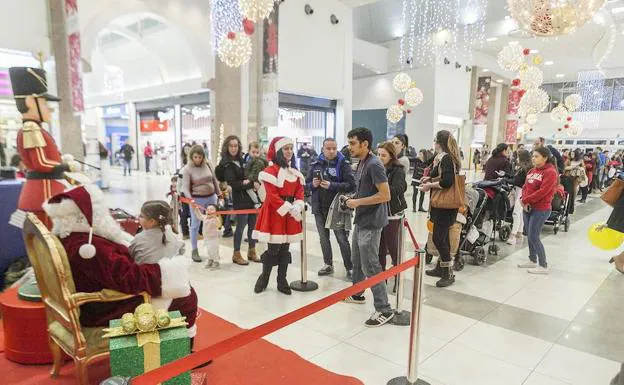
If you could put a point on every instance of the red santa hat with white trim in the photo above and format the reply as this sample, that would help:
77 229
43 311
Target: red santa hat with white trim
277 144
77 198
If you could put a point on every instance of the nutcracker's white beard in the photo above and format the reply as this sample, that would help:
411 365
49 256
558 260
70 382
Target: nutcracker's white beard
67 218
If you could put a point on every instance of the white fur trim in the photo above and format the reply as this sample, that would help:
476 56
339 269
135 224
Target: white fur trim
276 238
282 142
161 302
284 209
65 207
289 174
174 277
192 331
66 158
299 205
264 176
262 192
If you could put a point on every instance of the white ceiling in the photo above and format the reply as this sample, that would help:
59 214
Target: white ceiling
380 22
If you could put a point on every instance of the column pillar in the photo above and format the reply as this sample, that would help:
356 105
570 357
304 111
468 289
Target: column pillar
70 122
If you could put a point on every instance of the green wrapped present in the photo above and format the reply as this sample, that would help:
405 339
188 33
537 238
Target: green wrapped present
147 339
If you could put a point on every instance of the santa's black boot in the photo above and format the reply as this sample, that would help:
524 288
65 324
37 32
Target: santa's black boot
263 279
282 283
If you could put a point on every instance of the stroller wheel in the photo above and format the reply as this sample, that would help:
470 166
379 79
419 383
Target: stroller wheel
504 233
493 249
479 256
566 224
428 258
459 263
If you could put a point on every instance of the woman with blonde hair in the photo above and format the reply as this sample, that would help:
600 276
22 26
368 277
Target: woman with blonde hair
200 183
446 165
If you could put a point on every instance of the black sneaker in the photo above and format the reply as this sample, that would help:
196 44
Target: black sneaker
379 319
228 234
326 270
359 299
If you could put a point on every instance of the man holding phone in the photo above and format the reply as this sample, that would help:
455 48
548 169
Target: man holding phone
328 176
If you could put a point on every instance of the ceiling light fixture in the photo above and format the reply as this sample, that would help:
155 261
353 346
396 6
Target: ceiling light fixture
560 75
486 70
617 10
499 80
489 39
553 17
534 51
549 62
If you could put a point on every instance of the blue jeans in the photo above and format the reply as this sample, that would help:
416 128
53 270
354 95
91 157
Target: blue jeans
243 220
342 236
126 165
364 254
195 222
533 223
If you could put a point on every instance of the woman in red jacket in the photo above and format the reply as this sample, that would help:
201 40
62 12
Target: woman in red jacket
537 195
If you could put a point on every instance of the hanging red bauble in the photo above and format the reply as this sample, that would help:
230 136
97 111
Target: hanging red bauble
569 119
566 126
526 52
248 26
515 82
401 101
231 35
522 92
409 110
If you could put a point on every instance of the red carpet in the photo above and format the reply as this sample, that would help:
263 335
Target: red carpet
259 363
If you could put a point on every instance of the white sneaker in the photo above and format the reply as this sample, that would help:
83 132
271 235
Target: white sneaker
539 270
215 264
512 240
527 265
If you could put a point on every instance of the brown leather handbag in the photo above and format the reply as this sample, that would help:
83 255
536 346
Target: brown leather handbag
613 193
452 197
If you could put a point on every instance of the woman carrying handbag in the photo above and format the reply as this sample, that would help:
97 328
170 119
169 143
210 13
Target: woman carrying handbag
614 197
447 196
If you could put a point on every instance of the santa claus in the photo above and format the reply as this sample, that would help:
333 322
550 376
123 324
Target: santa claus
279 220
97 249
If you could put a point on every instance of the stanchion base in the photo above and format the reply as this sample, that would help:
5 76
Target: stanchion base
404 381
403 318
304 286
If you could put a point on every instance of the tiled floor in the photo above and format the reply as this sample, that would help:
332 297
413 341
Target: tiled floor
497 325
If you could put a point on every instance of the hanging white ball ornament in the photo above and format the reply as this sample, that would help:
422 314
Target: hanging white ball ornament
531 119
235 49
534 101
573 102
511 57
255 10
559 113
402 82
575 129
413 97
532 77
394 113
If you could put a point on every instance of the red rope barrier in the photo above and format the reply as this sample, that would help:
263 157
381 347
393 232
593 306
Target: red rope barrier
411 233
224 212
182 365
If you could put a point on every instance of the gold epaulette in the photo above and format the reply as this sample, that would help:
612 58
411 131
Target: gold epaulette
32 136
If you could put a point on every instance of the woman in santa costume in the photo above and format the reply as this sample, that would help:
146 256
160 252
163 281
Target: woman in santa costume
97 250
279 220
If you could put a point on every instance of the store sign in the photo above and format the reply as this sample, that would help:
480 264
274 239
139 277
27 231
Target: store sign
154 126
164 116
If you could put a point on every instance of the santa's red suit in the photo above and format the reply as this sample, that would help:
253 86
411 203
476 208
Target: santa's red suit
45 169
279 220
105 263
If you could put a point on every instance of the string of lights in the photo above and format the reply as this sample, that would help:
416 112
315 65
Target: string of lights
402 42
590 87
225 17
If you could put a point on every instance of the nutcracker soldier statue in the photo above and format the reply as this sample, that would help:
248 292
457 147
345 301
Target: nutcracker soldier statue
46 167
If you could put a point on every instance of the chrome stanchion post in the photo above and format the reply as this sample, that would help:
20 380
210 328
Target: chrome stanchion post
304 284
412 364
401 317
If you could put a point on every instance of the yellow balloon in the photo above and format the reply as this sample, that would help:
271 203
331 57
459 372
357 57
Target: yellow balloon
605 238
537 60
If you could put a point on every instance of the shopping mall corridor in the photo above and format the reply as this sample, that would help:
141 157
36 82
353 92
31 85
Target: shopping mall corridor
497 325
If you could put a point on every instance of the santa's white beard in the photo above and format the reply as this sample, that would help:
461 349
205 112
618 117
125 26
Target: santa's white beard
104 225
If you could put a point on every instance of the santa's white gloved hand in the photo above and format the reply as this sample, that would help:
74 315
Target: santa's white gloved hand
66 158
295 212
74 166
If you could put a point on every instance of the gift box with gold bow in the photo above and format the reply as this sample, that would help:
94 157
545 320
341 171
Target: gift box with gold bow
147 339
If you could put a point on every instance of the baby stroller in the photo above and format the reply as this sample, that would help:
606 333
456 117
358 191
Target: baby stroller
560 213
497 209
